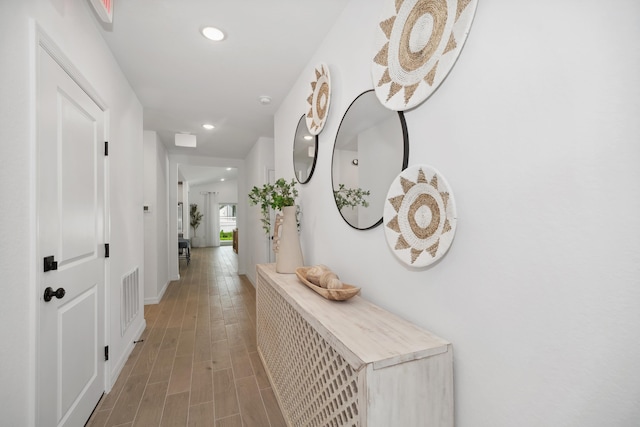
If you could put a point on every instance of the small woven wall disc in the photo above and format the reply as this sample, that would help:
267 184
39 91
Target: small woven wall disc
417 43
419 216
319 99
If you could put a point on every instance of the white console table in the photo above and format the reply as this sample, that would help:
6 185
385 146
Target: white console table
349 363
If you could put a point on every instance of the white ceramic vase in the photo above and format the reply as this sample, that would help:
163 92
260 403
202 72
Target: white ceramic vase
286 243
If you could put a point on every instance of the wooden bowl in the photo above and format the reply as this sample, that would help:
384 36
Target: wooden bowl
344 293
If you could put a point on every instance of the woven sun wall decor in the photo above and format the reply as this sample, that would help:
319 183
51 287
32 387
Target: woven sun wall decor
419 216
417 43
319 99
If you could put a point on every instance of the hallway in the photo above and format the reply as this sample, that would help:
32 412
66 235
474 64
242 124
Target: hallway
198 364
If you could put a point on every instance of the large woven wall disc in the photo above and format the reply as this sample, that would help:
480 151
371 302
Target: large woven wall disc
419 216
319 99
417 44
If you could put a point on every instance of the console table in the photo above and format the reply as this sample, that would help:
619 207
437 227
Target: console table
348 363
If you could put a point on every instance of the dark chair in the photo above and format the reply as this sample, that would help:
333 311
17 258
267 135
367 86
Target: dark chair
184 249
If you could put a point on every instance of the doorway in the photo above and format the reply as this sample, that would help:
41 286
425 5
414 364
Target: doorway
214 192
228 222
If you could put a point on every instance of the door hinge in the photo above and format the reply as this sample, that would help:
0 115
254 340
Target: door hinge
106 250
106 148
106 353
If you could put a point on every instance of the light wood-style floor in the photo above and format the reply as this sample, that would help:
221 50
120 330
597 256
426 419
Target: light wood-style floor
198 364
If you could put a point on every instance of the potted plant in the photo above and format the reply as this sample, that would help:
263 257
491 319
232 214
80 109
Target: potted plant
281 196
195 218
275 196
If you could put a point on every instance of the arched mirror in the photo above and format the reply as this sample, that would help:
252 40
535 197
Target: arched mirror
371 149
305 152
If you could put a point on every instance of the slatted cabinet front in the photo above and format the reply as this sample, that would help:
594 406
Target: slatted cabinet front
348 363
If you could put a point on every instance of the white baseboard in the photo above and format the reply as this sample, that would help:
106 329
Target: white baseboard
117 369
252 277
157 299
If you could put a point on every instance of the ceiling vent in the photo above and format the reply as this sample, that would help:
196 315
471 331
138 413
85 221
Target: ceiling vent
185 140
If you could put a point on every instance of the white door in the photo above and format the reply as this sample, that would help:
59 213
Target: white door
70 210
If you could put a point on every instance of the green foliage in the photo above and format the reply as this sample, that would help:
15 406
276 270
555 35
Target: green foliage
195 217
274 196
351 197
226 235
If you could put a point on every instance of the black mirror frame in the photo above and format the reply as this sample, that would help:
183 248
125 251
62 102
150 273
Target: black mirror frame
315 156
405 156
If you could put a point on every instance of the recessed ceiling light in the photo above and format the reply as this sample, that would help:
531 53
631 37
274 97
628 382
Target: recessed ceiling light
264 100
213 34
228 169
308 137
207 126
221 179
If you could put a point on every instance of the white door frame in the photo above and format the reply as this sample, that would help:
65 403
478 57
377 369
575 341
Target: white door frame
43 40
270 178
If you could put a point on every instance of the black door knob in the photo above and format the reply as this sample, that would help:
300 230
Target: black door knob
50 293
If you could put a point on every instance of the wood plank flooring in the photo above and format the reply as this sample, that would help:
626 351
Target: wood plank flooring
198 364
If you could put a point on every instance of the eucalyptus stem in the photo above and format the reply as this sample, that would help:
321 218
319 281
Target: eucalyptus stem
274 196
351 197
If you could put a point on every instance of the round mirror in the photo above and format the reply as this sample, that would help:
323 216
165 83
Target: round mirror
305 152
371 149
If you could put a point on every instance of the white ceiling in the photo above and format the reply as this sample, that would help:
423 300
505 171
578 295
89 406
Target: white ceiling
184 80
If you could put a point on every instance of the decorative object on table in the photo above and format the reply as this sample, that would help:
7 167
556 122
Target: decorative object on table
420 216
339 294
195 218
281 196
351 197
319 99
321 275
286 244
418 42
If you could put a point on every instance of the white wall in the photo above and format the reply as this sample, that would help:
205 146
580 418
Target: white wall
150 218
346 173
536 130
163 219
227 192
373 172
259 160
156 230
72 27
